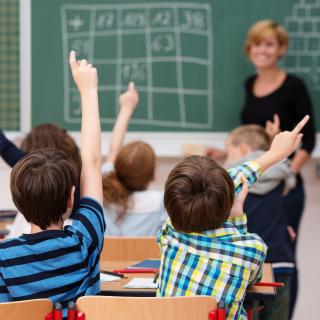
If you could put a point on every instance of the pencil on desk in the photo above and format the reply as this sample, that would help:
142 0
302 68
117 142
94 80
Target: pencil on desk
120 275
156 276
270 284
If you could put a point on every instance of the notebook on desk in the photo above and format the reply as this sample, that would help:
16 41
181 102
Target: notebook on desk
146 264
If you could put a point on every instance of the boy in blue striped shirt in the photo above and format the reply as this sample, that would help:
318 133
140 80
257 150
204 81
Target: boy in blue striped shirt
55 262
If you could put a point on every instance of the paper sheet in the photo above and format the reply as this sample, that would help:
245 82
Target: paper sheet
141 283
108 278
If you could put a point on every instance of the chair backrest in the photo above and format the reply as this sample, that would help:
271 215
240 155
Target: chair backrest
129 249
29 309
137 308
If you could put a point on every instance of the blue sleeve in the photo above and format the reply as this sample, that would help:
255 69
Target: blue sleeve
10 153
89 221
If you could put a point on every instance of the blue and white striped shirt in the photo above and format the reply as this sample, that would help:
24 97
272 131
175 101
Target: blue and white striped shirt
61 265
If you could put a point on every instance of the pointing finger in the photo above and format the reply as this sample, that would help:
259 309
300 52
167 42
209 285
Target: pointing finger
72 59
131 86
301 124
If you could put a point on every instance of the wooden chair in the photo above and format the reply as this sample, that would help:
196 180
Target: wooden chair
169 308
129 249
29 310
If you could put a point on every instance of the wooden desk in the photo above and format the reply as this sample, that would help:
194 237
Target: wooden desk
115 288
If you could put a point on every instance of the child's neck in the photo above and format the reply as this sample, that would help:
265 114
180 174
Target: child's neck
36 229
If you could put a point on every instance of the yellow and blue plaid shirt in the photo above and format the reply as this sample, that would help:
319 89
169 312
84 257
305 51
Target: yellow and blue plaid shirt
219 263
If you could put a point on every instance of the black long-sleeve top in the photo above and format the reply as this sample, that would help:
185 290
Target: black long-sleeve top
10 153
290 101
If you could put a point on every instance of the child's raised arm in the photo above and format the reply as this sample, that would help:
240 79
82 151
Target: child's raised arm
128 101
86 79
283 144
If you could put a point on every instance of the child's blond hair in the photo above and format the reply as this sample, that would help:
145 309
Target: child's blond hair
252 135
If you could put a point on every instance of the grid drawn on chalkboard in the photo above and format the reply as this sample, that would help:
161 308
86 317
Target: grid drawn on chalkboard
9 65
147 43
303 56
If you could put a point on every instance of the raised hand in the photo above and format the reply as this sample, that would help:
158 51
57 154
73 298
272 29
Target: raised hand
237 207
286 142
128 102
130 98
84 74
283 144
273 127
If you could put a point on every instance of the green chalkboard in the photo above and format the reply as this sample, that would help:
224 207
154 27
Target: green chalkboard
9 65
186 57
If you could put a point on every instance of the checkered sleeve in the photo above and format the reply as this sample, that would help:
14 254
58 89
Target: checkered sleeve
240 223
260 253
251 170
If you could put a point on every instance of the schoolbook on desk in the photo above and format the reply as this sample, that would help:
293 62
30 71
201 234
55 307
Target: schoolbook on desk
146 264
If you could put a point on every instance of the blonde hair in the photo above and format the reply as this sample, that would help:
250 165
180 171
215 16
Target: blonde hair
262 30
252 135
134 170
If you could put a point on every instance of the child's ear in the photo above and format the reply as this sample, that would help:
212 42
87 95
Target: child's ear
71 198
70 203
244 149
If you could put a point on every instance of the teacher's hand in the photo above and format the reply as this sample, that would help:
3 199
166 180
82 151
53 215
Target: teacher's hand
273 127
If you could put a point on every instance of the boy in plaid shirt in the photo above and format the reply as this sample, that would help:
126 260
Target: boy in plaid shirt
204 249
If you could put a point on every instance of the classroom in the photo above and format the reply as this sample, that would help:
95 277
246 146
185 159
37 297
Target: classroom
159 156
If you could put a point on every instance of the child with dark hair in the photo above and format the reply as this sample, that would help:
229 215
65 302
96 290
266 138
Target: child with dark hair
46 135
130 208
53 262
205 246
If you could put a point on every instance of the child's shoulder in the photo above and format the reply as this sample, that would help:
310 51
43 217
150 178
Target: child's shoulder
148 200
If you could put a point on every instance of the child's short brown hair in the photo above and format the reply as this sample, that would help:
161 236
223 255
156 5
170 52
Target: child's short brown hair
41 184
252 135
199 195
262 30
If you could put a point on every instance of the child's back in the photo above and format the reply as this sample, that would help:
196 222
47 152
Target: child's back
130 209
61 265
143 218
